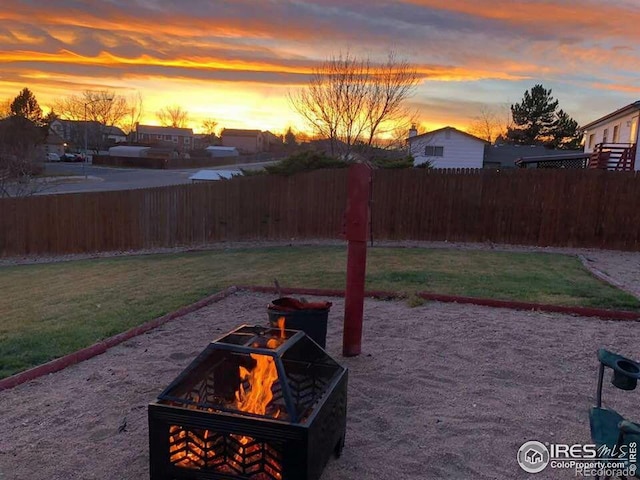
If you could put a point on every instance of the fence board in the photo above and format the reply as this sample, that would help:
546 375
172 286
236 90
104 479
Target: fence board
579 208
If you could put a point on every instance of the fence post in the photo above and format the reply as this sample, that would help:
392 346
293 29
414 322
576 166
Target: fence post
357 217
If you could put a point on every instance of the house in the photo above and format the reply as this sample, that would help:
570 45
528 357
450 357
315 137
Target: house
246 141
250 141
78 134
612 139
178 138
271 140
54 144
114 134
447 147
96 136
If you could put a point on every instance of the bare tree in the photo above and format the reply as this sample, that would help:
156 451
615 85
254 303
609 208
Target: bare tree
135 110
102 106
350 100
395 136
209 126
100 110
173 116
490 122
394 82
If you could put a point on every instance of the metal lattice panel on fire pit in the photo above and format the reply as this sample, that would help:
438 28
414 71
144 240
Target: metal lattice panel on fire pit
203 450
252 405
231 369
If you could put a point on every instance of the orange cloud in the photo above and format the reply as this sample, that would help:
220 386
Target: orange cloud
106 59
109 59
635 89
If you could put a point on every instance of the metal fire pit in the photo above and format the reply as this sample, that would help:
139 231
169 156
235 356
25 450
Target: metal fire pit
206 425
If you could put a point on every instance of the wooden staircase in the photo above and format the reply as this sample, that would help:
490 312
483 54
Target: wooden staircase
619 157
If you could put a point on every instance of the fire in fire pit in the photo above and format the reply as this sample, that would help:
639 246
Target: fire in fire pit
257 404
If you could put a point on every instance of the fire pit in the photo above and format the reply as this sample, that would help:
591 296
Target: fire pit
257 404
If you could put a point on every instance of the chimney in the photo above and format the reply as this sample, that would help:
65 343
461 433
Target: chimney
413 131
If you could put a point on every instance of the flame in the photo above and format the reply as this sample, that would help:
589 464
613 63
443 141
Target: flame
261 378
276 342
188 450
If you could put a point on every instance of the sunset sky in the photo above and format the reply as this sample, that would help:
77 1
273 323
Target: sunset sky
235 61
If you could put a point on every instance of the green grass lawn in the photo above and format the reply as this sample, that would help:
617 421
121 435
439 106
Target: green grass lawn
50 310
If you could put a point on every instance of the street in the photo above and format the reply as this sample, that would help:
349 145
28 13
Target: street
89 178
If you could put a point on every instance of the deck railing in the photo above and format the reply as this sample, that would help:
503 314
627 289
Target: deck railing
613 156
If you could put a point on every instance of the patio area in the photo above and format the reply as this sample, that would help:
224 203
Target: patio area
440 391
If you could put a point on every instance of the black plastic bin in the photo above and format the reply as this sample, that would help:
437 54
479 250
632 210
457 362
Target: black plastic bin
313 322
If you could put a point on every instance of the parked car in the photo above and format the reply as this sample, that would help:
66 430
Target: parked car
53 157
71 157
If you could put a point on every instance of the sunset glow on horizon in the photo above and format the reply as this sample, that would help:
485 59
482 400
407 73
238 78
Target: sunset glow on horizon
236 62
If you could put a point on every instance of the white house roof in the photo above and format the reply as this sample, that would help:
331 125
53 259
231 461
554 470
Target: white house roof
433 132
203 175
621 111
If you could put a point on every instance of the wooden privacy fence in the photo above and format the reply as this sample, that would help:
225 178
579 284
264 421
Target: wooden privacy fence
580 208
261 207
577 208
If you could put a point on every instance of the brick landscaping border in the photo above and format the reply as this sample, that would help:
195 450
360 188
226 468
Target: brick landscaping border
104 345
600 313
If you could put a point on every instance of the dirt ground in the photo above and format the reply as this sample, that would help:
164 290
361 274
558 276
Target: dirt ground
440 391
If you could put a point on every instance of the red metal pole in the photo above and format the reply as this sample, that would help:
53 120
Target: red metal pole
357 223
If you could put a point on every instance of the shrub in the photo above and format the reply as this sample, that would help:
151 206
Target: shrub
402 162
304 162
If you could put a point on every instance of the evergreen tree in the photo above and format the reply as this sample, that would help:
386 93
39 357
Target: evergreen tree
566 133
26 106
534 117
537 121
290 137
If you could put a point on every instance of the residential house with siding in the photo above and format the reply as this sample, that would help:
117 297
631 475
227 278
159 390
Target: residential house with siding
75 133
180 138
447 147
245 141
249 141
54 144
618 127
